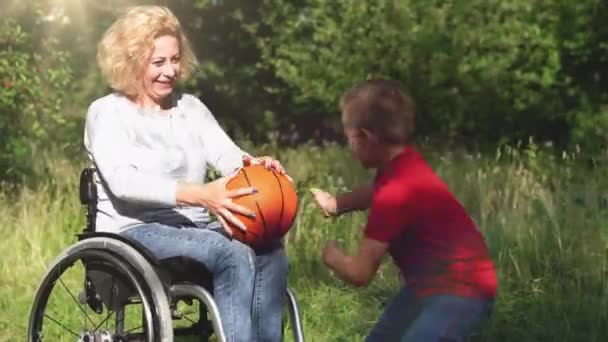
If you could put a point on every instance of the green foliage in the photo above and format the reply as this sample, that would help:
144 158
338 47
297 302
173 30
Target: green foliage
585 55
482 69
544 220
32 84
486 70
232 80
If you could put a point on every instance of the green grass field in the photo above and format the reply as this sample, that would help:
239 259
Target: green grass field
544 220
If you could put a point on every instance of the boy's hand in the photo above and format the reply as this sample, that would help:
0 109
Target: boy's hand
331 253
326 202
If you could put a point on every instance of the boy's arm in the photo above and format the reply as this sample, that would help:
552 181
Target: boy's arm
359 269
357 199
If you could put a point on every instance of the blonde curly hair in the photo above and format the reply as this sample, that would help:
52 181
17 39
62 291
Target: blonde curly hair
126 46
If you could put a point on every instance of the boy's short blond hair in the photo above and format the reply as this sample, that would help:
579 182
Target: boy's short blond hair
126 46
381 106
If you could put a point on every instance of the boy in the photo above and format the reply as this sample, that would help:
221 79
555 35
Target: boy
451 281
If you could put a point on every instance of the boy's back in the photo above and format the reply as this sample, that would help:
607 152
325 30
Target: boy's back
431 237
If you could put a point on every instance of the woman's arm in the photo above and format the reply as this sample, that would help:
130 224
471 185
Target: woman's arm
222 153
109 146
220 150
217 200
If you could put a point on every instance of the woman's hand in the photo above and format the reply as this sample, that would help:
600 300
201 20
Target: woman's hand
218 200
268 162
326 202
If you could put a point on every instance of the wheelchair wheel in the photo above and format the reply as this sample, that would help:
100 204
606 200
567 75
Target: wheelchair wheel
100 289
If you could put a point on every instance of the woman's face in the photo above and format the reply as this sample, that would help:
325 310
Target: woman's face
163 69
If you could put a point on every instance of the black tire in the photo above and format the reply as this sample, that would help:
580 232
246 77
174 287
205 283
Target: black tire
129 265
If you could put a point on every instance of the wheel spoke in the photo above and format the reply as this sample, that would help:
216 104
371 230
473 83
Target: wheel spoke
61 325
188 319
131 330
104 321
111 301
190 312
88 260
76 301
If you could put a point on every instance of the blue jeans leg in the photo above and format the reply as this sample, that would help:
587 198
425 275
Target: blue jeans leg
269 294
431 319
269 297
394 320
448 318
231 263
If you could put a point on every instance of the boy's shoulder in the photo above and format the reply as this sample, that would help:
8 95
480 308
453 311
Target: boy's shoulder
407 168
392 191
407 178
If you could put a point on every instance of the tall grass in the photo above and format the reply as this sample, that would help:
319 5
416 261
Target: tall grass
543 218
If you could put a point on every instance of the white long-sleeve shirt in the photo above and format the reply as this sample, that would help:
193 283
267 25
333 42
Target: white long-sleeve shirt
141 154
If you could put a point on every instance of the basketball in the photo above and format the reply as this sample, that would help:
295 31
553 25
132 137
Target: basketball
275 205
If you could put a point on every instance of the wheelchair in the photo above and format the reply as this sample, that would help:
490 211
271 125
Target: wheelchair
117 291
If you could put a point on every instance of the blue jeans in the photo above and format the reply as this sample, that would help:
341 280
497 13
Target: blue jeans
430 319
248 287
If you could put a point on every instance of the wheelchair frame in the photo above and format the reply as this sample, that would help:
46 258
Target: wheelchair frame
152 281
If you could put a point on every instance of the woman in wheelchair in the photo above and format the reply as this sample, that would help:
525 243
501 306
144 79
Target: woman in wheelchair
151 147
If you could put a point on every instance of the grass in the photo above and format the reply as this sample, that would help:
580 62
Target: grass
543 218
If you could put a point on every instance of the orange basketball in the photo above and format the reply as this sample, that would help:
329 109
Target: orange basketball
275 205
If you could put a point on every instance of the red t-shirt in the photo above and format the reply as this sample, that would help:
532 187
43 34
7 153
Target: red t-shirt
432 239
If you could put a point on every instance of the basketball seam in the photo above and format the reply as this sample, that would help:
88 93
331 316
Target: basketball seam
282 199
257 205
293 217
248 231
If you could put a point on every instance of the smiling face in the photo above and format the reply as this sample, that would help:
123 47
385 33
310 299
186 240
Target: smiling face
161 72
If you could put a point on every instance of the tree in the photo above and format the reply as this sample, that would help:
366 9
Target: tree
584 51
33 80
483 69
233 81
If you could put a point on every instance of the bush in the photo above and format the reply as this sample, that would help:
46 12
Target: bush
33 80
490 70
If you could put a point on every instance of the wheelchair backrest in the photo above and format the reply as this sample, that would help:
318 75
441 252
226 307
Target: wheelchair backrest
88 189
88 197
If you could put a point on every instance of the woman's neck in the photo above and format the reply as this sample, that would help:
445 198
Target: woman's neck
155 104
